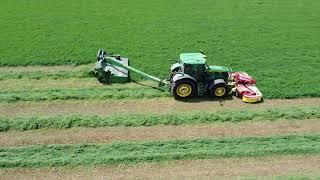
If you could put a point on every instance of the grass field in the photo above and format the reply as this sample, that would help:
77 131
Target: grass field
58 122
260 37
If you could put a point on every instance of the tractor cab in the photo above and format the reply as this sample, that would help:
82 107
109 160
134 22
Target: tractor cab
194 64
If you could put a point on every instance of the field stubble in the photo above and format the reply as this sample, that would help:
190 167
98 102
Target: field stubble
295 167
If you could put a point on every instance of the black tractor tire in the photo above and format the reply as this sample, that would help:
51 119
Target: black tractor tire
103 77
183 89
102 80
220 90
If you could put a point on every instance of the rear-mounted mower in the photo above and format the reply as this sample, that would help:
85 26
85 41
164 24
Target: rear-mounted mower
189 77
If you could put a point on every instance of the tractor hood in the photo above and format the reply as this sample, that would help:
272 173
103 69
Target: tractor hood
219 69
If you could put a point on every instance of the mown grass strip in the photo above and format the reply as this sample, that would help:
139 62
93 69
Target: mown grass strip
153 151
148 119
82 94
100 93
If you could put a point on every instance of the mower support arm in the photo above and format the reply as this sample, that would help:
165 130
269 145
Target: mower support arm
129 68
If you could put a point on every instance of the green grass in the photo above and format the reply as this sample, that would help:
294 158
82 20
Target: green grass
44 75
148 119
155 151
277 42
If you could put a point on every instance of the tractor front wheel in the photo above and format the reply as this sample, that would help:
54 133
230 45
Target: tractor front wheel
220 90
183 89
103 77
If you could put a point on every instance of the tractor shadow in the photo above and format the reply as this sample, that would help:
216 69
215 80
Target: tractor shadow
209 99
228 98
205 98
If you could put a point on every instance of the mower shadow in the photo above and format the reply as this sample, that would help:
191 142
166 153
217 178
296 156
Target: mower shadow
146 85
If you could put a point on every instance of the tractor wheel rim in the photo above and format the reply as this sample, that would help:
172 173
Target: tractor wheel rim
220 91
184 90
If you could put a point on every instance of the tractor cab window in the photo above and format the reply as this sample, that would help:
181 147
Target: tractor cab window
188 68
194 68
197 71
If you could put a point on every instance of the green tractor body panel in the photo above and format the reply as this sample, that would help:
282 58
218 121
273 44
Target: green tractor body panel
213 69
219 72
192 58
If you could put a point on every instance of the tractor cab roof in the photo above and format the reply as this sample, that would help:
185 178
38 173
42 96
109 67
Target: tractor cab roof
192 58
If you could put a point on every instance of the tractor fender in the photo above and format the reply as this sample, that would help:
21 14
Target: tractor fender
180 76
175 66
215 82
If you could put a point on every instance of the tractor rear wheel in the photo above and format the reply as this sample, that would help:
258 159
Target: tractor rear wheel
220 90
183 89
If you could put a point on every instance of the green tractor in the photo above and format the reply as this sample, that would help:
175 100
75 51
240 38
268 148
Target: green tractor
189 77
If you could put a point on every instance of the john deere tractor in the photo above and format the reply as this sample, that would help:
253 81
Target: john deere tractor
190 76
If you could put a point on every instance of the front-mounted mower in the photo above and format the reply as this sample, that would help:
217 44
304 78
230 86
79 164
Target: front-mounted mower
189 77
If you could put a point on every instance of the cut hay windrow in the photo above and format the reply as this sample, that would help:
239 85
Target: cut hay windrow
155 151
152 119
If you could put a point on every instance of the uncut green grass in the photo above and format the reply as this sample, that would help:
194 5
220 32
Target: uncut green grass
277 42
155 151
45 75
152 119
